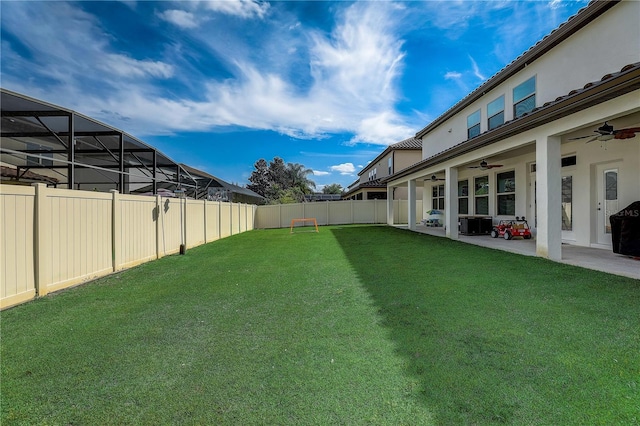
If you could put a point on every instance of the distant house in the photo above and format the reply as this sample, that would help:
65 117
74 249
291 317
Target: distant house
322 197
395 157
216 189
553 137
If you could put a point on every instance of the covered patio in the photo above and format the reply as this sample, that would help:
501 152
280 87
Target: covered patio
586 257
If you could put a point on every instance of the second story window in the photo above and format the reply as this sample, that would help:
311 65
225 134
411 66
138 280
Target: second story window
524 97
495 112
390 166
473 125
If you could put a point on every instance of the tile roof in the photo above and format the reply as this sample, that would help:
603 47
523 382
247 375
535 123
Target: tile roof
574 23
410 143
406 144
609 86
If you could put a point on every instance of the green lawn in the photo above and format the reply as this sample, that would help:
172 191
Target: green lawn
353 325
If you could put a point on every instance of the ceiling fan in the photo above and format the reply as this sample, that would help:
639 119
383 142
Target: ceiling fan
485 166
607 132
434 178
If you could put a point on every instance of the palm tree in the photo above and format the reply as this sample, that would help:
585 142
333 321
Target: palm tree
297 178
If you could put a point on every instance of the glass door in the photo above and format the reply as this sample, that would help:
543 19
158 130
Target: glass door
608 203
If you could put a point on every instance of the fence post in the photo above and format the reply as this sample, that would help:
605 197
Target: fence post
205 220
116 229
328 213
159 233
352 212
42 273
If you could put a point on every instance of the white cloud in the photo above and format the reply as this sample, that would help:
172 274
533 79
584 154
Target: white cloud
128 67
352 85
319 173
452 75
343 169
476 69
181 18
241 8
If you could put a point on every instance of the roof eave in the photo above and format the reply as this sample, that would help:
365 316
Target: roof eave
564 31
606 90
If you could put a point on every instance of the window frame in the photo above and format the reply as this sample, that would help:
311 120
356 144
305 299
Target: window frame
475 125
437 197
484 196
463 199
506 193
490 115
524 98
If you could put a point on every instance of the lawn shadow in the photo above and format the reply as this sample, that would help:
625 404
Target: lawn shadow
477 326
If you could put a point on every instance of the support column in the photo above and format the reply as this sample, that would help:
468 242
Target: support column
451 202
71 155
42 239
121 180
411 213
549 198
390 205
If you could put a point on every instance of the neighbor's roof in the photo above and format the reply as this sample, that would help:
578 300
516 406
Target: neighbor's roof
217 182
407 144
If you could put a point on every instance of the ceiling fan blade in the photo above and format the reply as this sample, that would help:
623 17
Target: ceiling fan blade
595 138
491 166
627 133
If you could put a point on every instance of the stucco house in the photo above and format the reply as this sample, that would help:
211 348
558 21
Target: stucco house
532 140
397 156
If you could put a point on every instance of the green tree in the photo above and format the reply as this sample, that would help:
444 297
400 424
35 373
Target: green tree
297 177
279 182
334 188
260 180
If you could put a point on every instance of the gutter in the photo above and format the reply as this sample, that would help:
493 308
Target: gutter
608 88
557 36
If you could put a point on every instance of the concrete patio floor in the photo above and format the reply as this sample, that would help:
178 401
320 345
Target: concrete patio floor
586 257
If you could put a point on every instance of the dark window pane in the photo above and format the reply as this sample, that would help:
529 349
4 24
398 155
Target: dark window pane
473 131
463 188
524 106
434 204
496 120
441 203
482 205
482 185
567 210
463 206
611 179
441 190
507 204
434 191
507 182
569 161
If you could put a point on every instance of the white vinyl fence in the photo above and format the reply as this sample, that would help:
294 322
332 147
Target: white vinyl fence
51 239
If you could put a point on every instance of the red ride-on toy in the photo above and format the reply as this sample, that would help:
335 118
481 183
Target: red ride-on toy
508 229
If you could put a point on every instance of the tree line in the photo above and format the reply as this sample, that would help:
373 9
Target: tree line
281 183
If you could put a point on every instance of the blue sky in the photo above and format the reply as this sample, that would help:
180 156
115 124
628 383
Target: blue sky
219 85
